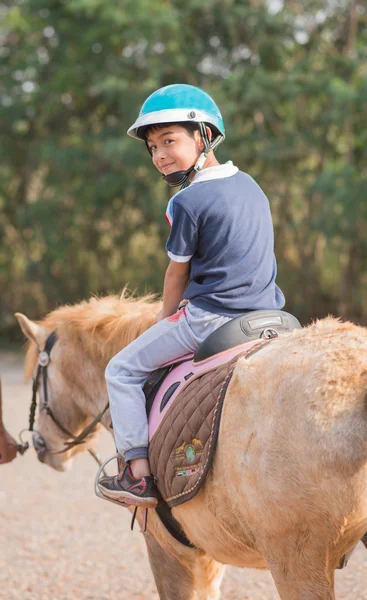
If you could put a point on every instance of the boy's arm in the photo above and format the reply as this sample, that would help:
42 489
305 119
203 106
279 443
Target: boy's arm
175 282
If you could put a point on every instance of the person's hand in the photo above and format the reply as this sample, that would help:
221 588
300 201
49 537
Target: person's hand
8 447
183 303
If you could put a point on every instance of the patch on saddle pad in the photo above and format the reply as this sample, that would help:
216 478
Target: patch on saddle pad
182 448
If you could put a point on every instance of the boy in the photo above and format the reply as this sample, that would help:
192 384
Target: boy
221 260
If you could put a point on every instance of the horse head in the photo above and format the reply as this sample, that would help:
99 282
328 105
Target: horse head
60 374
67 354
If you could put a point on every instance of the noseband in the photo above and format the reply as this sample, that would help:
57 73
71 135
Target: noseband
43 362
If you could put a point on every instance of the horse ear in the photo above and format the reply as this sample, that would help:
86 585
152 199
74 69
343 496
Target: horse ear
32 331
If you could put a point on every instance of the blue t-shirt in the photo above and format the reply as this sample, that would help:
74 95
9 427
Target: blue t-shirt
222 224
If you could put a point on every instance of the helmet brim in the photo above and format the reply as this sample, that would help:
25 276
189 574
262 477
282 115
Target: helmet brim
173 115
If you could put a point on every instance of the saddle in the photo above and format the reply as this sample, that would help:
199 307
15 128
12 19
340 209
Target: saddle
185 399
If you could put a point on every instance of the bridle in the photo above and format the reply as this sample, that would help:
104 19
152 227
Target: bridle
43 362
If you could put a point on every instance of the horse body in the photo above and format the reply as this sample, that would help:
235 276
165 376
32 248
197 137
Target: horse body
294 467
288 485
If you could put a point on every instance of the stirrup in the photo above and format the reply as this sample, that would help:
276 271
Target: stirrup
97 478
98 493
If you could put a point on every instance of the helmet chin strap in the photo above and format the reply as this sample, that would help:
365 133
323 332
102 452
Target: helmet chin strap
182 178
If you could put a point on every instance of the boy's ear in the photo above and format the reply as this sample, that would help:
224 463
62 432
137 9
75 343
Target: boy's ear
199 139
209 132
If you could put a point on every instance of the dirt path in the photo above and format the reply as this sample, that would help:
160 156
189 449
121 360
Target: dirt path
59 542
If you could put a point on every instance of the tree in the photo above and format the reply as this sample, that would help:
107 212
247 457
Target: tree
81 208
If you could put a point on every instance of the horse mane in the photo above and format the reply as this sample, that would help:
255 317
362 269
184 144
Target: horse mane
103 326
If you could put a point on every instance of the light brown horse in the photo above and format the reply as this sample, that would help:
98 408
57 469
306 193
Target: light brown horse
288 487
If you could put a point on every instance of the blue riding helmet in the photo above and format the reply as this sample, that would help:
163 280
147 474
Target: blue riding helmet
180 103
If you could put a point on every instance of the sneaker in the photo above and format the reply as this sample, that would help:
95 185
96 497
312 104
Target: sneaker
127 490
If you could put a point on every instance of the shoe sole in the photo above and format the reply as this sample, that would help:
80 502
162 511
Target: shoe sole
129 499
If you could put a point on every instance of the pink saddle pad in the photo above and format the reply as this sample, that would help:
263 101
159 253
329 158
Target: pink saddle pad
182 374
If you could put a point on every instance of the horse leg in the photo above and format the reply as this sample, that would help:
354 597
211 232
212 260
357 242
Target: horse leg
187 576
301 571
208 578
318 587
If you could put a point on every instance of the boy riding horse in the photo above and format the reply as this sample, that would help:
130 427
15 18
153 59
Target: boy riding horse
221 251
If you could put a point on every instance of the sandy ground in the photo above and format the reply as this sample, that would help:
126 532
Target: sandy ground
60 542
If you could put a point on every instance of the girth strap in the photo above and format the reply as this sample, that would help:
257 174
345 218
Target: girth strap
171 524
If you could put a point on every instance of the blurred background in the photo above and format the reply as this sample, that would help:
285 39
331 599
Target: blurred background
81 206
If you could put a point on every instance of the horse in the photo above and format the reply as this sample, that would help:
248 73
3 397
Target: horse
287 489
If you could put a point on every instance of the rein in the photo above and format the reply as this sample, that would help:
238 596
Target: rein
43 362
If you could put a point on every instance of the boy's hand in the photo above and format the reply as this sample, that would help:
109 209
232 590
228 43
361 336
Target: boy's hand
183 303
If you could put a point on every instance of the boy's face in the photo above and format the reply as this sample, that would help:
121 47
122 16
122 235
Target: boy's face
174 149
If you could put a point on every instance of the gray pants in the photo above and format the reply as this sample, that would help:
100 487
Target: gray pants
127 372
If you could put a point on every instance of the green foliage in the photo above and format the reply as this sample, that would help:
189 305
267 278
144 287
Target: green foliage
81 207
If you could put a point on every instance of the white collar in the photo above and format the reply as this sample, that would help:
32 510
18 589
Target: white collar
218 172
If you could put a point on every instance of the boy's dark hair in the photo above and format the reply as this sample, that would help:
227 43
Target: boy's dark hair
188 125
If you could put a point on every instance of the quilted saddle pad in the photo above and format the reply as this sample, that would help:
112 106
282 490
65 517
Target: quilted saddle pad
182 448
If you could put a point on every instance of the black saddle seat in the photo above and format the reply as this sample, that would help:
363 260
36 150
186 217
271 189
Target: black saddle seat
253 325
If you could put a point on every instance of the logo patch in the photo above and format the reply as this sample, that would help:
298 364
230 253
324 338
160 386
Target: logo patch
190 453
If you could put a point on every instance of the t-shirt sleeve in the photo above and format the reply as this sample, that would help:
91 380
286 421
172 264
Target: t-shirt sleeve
182 240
